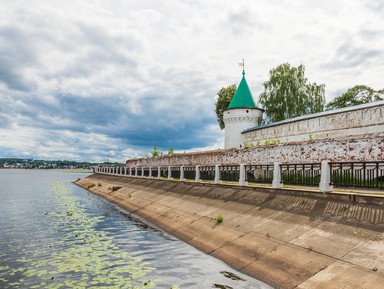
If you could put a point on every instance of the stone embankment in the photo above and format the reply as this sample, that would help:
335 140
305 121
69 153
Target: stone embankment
285 239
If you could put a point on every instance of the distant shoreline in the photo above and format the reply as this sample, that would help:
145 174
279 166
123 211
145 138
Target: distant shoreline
61 170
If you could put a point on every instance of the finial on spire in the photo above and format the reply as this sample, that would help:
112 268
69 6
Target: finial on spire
243 65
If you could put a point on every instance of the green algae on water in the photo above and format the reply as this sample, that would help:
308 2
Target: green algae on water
82 257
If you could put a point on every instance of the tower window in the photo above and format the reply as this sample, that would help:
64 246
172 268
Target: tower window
247 111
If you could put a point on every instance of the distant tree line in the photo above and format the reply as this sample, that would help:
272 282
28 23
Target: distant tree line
46 164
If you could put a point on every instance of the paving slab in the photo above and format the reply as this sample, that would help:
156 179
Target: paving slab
344 275
333 239
369 255
286 266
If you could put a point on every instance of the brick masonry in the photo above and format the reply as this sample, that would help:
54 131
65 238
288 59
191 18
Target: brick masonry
369 147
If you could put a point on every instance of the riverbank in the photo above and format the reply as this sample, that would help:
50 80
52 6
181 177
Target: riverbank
288 239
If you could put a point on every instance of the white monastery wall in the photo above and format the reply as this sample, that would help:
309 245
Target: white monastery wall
351 134
343 123
369 147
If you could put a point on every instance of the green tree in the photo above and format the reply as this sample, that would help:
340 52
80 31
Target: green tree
359 94
155 151
288 93
224 97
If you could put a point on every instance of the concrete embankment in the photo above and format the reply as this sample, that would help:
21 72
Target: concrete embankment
285 239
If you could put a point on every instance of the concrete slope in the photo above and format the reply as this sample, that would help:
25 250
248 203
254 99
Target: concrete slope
285 239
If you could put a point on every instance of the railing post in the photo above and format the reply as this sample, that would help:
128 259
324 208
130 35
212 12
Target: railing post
182 174
325 185
159 172
169 173
217 174
197 177
242 181
276 183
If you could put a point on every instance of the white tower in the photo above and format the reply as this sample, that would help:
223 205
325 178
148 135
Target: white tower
242 114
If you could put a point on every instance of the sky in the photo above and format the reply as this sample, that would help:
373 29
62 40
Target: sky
101 80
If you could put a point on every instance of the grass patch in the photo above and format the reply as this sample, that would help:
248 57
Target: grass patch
219 218
90 186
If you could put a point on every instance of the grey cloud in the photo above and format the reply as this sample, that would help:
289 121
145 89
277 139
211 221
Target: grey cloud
376 6
369 34
16 54
108 48
100 51
347 56
244 21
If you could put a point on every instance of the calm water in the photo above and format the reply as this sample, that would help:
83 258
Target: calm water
54 234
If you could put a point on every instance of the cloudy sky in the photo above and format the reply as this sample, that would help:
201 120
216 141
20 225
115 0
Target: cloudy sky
107 79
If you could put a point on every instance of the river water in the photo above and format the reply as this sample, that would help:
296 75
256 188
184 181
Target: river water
54 234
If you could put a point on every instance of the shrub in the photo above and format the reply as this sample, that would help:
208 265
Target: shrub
90 186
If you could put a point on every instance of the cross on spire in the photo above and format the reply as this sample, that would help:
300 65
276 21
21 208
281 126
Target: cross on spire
243 65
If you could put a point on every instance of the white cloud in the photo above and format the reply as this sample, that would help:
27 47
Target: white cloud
126 75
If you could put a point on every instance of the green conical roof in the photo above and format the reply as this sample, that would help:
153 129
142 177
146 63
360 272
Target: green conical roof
243 96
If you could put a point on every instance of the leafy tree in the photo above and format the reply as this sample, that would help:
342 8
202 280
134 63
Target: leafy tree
155 151
287 94
359 94
171 151
224 97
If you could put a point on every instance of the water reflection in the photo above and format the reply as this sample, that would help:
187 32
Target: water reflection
60 236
